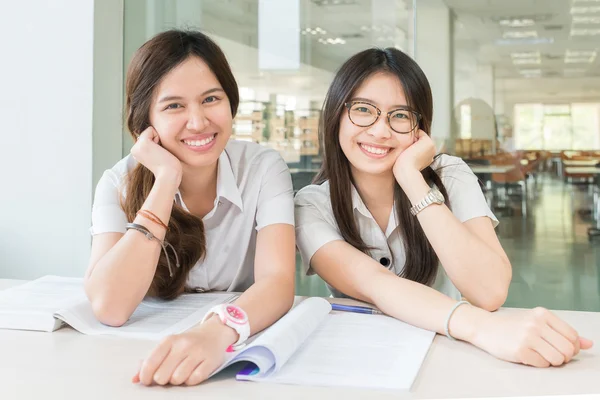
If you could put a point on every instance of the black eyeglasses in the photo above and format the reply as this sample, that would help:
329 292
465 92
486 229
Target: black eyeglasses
401 120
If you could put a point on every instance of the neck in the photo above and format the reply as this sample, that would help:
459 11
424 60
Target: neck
199 181
375 190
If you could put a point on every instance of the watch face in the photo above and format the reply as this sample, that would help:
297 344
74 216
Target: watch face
236 314
437 195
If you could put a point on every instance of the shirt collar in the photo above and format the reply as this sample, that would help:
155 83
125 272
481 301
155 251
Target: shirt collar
359 205
227 187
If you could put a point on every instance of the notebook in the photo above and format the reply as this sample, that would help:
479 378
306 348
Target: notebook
48 303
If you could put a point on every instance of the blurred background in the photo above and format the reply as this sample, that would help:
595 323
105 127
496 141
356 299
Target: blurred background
516 87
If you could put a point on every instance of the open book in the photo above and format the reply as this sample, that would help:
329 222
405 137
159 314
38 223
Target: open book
313 346
48 303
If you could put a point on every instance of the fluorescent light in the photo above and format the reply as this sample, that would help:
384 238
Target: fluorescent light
586 19
519 34
526 41
527 61
581 53
585 10
516 22
579 60
585 32
526 54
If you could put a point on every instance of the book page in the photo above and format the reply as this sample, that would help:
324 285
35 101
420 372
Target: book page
31 306
153 318
278 342
358 350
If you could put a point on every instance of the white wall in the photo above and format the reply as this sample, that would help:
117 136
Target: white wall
46 113
433 53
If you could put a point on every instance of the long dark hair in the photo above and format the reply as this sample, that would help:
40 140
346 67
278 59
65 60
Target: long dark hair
151 62
421 260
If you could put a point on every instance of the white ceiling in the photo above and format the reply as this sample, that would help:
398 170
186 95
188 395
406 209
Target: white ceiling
478 33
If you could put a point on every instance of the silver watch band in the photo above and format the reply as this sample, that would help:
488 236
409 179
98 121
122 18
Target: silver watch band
428 200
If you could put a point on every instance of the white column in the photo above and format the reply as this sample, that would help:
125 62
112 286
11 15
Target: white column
433 53
49 108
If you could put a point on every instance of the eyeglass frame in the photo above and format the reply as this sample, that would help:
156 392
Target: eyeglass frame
349 105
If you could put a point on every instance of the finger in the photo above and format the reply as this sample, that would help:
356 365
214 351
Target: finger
585 343
561 327
544 349
531 357
185 369
151 364
200 373
559 342
136 377
163 374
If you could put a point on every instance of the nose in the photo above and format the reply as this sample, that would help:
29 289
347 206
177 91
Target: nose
197 119
380 129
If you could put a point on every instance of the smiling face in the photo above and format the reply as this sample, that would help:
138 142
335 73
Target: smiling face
374 149
191 113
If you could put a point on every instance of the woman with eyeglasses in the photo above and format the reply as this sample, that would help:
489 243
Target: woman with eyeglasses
390 223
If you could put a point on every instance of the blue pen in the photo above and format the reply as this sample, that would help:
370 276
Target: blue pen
356 309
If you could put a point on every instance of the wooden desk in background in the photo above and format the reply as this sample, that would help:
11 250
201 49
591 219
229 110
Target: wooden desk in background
68 365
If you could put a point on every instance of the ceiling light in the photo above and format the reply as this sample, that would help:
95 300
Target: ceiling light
519 34
581 53
585 10
527 61
516 22
585 32
525 54
586 19
525 41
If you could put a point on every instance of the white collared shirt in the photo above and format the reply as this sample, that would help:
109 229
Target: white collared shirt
316 225
254 190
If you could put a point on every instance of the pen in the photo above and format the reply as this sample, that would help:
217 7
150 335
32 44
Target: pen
356 309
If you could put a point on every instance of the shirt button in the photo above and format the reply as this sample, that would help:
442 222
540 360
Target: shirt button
384 261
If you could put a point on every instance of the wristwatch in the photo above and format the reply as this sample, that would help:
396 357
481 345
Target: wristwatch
434 196
235 318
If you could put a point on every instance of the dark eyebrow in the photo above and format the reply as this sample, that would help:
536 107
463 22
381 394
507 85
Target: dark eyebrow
172 98
394 107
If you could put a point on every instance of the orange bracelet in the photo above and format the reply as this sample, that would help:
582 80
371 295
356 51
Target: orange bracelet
152 217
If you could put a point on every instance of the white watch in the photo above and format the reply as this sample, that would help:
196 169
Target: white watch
235 318
434 196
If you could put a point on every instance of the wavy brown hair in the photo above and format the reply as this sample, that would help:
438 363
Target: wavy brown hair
151 62
421 261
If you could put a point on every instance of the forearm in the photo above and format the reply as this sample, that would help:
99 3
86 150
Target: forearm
481 274
422 306
267 300
119 280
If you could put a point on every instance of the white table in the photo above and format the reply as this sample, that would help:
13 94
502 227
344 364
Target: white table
579 163
491 169
68 365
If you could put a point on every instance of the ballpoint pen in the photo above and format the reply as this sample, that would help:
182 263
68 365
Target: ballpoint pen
356 309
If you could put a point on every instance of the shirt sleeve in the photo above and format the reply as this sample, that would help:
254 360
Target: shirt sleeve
276 198
466 197
107 214
315 226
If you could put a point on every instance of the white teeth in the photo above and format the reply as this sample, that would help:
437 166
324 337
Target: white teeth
375 150
198 143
